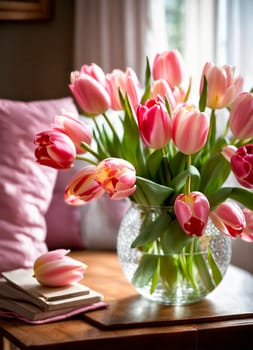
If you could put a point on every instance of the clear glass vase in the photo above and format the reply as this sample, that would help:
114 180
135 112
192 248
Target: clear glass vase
163 263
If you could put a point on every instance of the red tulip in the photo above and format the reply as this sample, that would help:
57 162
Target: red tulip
242 165
154 123
117 177
189 129
75 129
229 219
55 269
89 92
192 212
222 85
83 187
127 82
169 66
241 116
55 149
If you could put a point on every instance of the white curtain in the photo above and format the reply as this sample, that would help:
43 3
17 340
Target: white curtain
235 36
200 29
118 33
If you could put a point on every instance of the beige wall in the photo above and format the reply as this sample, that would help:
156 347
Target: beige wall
36 57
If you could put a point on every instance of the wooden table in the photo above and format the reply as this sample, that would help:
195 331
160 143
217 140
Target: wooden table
131 322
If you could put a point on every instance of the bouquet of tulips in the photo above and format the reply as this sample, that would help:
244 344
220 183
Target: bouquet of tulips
166 151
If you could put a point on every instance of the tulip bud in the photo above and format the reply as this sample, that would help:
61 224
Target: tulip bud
169 66
83 187
161 88
189 129
117 177
55 269
192 212
154 123
94 71
229 219
90 93
242 165
75 129
55 149
127 82
241 116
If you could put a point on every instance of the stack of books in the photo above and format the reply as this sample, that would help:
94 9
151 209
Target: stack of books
23 296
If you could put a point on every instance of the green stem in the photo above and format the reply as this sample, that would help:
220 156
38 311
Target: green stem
212 130
188 180
111 126
90 150
85 159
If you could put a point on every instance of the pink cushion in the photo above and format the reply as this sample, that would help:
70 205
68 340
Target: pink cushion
25 187
63 220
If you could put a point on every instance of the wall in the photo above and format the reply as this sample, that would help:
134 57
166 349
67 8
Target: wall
36 57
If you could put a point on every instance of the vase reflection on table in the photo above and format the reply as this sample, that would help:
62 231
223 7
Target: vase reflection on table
169 153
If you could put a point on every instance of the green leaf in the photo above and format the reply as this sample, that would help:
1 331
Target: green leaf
178 164
154 161
202 268
179 181
214 173
151 230
241 195
174 238
168 107
155 278
217 276
147 91
145 271
168 271
131 145
155 194
203 97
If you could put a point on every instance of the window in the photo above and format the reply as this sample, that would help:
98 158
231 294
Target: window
174 14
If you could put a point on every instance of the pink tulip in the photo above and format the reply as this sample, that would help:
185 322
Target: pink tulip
242 165
189 129
75 129
127 82
83 187
169 66
192 212
94 71
55 149
89 91
117 177
229 219
154 123
247 234
161 88
179 93
241 116
222 85
55 269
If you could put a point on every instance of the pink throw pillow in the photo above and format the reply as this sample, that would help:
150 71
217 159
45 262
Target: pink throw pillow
26 187
63 220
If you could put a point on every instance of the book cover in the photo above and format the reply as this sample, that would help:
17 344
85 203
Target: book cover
35 313
20 286
23 279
